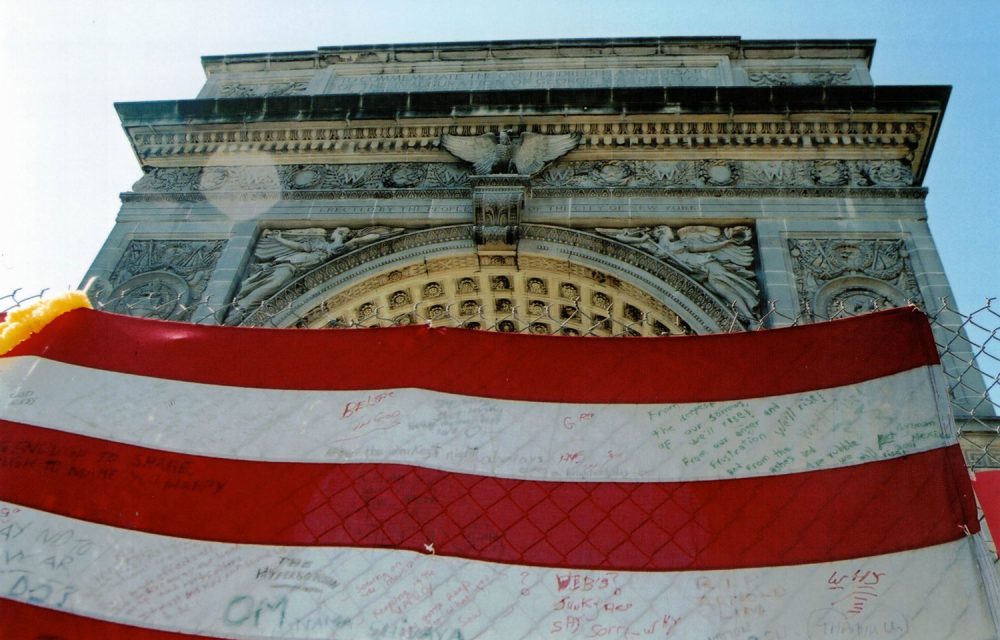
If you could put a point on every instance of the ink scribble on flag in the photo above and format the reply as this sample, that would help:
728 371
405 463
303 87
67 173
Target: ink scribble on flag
163 480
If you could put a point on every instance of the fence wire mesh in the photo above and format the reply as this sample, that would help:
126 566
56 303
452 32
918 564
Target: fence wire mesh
969 345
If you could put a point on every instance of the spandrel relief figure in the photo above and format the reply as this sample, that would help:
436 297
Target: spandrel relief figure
718 258
283 256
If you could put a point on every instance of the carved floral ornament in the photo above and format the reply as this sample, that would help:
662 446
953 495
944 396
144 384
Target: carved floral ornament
790 78
300 180
497 213
261 89
706 174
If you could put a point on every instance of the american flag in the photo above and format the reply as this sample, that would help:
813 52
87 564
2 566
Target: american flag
163 480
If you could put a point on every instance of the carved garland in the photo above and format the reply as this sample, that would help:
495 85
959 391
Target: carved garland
294 181
261 89
808 78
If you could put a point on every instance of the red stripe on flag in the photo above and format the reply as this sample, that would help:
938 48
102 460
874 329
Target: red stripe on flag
987 487
796 518
20 621
519 367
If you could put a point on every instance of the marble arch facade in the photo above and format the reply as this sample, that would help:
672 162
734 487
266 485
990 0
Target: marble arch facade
560 280
713 178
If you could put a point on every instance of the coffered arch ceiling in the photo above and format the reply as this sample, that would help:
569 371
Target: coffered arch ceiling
559 280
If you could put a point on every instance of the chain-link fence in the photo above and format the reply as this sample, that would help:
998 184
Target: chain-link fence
969 342
969 345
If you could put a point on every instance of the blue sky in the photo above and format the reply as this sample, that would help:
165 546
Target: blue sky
64 63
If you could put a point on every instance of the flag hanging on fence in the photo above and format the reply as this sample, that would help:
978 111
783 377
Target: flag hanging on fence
160 479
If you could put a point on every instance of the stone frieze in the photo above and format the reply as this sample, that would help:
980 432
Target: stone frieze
707 174
261 89
304 178
809 78
295 180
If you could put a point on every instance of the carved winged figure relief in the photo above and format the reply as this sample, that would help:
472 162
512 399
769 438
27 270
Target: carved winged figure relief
282 256
718 258
525 156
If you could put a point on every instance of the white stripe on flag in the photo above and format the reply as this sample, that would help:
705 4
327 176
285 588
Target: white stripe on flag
252 591
877 419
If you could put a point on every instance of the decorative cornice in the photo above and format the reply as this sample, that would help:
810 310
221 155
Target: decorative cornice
697 135
797 122
732 47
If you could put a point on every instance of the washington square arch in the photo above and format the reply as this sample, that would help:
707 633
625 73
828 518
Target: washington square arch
646 186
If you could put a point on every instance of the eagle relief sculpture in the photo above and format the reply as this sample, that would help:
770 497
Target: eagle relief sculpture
283 256
524 156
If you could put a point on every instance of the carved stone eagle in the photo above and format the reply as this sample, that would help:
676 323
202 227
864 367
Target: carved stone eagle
524 157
